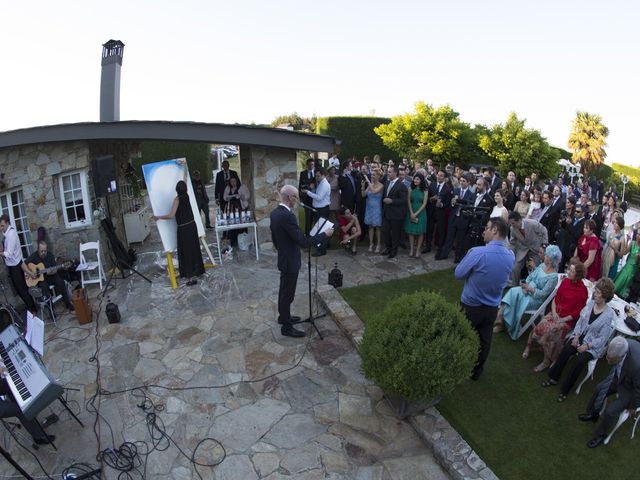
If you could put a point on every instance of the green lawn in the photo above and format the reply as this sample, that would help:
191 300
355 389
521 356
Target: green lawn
516 426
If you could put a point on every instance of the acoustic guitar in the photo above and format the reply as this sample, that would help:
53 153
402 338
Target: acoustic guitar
40 270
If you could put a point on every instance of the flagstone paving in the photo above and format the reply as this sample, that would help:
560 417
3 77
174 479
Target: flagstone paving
282 408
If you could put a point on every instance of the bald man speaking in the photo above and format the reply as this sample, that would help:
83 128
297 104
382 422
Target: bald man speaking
288 239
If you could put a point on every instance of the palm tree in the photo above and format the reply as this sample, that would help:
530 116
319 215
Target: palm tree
587 140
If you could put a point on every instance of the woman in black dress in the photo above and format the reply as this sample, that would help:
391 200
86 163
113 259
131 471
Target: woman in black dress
189 256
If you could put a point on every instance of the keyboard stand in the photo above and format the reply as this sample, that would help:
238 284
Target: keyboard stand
15 464
66 406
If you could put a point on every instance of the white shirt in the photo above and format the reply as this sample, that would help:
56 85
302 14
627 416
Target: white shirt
322 196
12 253
334 162
391 184
479 199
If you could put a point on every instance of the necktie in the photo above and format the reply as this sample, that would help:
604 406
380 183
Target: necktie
439 188
310 174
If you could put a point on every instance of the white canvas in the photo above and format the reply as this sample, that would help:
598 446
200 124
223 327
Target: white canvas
161 178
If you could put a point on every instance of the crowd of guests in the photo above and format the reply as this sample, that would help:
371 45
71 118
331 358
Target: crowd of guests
561 232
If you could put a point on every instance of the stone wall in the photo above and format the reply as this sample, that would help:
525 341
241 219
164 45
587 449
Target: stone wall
35 169
269 169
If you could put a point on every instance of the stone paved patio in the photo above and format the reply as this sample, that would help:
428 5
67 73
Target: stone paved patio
317 418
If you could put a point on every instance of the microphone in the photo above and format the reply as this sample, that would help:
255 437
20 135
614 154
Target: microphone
307 207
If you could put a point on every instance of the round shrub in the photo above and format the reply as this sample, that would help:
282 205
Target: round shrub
419 347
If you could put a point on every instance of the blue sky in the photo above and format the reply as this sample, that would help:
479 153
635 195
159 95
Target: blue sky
250 61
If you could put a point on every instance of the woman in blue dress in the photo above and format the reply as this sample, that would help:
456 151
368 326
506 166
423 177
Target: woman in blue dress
373 211
416 222
530 295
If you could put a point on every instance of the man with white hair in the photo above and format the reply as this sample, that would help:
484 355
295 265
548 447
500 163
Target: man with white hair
288 239
623 379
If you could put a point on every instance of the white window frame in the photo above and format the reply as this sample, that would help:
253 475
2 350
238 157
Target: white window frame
24 235
85 199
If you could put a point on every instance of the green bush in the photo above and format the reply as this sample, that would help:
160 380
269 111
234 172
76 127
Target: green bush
198 156
419 347
357 136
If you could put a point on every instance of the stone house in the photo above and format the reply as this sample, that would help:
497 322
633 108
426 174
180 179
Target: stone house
48 178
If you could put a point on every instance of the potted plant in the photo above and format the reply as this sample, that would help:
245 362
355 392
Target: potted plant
418 348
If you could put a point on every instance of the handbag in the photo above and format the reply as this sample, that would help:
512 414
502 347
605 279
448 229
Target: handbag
632 323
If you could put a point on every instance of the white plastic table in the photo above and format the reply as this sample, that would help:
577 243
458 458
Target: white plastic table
237 226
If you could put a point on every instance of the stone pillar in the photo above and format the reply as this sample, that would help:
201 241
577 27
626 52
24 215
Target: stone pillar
266 171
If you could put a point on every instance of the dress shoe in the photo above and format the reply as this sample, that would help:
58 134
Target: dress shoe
391 255
440 257
70 307
44 440
476 374
456 260
384 252
289 331
589 417
596 441
426 250
294 319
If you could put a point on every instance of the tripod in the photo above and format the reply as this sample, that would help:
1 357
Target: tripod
17 319
120 265
312 318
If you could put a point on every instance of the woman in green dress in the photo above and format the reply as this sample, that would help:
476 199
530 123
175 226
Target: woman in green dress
625 277
416 223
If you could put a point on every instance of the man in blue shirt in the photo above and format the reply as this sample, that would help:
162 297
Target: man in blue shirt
485 271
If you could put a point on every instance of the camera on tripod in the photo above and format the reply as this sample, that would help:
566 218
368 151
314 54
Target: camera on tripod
479 214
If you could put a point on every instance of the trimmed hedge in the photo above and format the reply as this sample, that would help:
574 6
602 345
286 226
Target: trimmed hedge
198 156
357 136
419 346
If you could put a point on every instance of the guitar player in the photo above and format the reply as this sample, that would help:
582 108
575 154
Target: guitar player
43 256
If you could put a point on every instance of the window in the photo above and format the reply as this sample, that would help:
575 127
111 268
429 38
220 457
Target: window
74 196
12 204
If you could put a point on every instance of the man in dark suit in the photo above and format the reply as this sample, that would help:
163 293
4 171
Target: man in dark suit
550 215
458 223
394 204
571 231
349 186
495 182
307 181
288 239
222 181
440 194
624 379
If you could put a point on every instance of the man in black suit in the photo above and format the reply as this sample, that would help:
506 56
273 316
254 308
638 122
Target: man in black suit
495 182
394 205
458 223
571 230
349 187
440 194
307 181
288 239
624 379
222 181
550 215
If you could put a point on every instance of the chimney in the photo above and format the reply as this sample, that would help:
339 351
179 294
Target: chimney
112 52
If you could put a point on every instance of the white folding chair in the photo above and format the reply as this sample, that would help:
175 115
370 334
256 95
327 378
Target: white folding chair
621 419
89 266
591 367
537 314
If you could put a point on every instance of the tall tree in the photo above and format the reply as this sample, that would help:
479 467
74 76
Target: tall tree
428 133
587 140
522 150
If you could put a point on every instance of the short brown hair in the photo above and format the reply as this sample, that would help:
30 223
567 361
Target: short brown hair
591 224
579 266
606 287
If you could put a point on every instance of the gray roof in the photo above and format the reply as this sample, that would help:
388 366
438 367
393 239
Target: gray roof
173 131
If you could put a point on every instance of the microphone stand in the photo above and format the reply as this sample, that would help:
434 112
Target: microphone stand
312 318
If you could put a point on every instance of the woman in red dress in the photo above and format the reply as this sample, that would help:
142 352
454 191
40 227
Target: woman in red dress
565 310
589 251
